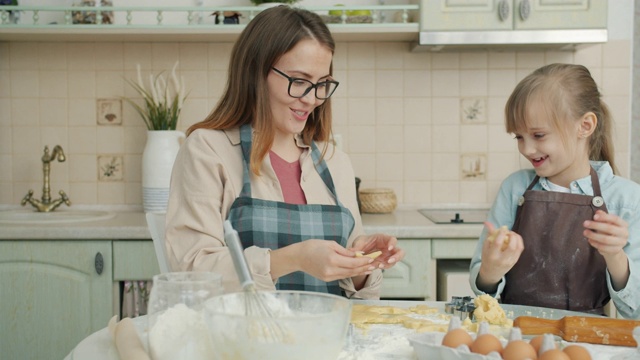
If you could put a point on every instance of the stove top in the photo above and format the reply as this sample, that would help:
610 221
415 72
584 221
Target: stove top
455 216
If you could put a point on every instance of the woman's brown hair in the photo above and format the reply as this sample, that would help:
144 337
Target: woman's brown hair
565 91
271 34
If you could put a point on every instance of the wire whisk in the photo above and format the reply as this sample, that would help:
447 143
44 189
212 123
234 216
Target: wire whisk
258 305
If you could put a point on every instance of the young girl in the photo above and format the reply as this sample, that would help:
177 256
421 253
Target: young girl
574 242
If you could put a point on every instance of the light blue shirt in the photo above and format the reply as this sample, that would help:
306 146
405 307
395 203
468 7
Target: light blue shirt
622 198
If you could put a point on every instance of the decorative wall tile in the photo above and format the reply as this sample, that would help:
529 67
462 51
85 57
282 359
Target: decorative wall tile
473 166
473 110
110 168
109 111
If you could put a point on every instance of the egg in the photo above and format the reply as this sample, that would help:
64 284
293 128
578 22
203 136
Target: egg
485 344
457 337
554 354
577 352
519 350
536 342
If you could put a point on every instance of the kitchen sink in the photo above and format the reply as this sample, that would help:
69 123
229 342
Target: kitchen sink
28 216
455 216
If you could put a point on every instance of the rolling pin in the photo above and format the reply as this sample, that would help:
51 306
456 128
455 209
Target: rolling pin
592 330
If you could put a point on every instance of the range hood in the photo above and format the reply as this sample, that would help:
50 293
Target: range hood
568 39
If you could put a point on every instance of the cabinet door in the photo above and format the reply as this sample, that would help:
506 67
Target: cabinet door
134 260
52 296
560 14
414 276
460 15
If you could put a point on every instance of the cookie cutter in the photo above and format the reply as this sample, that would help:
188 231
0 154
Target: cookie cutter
461 307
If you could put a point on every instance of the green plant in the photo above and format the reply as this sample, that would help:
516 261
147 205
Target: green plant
162 102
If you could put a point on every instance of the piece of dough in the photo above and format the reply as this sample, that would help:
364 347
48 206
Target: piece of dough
372 255
492 237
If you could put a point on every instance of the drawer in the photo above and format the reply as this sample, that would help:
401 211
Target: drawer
453 248
134 260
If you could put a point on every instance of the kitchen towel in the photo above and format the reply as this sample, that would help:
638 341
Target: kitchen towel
126 339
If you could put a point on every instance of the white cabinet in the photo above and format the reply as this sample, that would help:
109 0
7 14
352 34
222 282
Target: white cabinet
53 295
414 276
463 15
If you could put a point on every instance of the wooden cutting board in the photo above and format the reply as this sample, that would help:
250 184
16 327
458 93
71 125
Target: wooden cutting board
593 330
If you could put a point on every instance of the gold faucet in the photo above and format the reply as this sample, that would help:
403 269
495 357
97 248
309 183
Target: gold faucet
46 205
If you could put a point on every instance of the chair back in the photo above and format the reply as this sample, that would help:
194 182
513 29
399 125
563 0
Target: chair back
156 224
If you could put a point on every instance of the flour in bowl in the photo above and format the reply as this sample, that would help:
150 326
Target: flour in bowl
180 333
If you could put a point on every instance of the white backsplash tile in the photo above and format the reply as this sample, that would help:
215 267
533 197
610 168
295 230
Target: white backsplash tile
445 83
361 83
25 112
389 83
54 113
389 111
25 83
399 112
474 60
417 83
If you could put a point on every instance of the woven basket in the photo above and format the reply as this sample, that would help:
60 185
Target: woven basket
378 201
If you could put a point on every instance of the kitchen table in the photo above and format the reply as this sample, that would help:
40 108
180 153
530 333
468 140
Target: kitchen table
379 342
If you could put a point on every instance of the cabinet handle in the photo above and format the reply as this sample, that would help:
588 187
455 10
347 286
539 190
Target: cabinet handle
525 9
503 10
99 263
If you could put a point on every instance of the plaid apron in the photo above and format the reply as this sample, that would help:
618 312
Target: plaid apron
275 224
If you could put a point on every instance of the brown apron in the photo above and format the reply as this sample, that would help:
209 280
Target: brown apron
558 268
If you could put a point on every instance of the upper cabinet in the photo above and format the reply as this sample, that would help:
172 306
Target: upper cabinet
458 15
561 24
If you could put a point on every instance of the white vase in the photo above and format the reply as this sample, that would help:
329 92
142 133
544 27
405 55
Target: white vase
157 161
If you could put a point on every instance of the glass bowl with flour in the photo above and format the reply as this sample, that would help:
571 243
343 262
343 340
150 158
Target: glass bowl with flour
292 325
176 326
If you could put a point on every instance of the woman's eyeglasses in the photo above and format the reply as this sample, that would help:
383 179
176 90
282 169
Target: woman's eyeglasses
300 87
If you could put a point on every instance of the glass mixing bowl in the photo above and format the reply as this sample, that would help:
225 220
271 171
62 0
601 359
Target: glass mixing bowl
290 325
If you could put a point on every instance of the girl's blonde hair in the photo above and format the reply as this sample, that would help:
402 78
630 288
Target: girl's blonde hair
565 92
271 34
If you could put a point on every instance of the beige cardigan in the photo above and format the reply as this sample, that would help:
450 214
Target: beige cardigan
207 178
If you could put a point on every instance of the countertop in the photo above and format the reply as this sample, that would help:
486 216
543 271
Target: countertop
130 224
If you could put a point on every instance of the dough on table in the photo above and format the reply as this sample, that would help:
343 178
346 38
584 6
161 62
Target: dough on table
488 309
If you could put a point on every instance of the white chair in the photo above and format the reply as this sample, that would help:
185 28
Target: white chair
156 224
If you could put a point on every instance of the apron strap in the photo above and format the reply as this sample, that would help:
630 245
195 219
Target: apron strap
320 165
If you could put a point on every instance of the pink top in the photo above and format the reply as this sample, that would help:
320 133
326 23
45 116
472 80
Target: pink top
289 176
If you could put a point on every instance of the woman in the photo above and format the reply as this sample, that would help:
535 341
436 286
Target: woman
262 159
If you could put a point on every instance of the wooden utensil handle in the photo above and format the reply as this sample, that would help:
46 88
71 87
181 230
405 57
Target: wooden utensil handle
593 330
530 325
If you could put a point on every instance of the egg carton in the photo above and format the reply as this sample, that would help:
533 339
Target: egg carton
428 346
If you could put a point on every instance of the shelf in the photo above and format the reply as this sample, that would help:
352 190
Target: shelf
226 33
184 24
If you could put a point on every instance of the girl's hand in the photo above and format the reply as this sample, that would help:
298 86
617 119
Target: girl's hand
607 233
498 256
386 244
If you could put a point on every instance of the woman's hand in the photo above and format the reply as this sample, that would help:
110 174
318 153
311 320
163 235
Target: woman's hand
498 256
609 234
328 261
386 244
